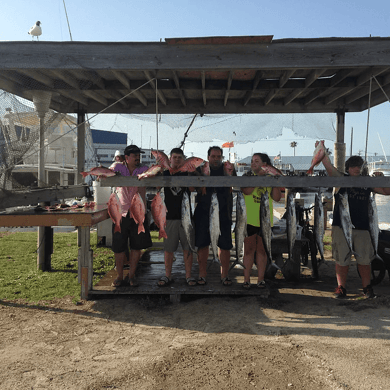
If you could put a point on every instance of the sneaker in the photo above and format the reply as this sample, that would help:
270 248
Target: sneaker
340 292
369 292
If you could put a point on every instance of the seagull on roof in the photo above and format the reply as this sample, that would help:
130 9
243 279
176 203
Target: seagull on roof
36 31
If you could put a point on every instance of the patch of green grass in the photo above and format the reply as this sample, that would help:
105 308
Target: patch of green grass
328 243
20 279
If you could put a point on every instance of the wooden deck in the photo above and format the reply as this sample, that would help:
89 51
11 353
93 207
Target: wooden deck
151 268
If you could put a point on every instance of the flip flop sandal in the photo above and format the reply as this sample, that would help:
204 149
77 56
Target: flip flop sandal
130 282
226 281
201 281
164 281
118 283
261 284
246 285
191 282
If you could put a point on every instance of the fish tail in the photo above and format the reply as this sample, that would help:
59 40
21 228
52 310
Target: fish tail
141 228
162 234
84 174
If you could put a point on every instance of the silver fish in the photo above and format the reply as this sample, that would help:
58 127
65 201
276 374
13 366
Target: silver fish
346 223
214 225
319 229
240 229
265 224
291 223
373 225
186 220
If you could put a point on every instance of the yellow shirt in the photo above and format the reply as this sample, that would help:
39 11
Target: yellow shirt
252 203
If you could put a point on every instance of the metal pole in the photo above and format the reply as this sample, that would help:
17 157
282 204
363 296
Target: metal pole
80 146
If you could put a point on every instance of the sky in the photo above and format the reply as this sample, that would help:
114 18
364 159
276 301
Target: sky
147 20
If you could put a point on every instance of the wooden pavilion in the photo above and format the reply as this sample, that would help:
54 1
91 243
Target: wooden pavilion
245 74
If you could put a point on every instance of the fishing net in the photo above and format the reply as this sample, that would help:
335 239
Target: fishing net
19 143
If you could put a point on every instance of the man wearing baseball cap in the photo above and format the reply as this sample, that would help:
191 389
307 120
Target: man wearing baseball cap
129 228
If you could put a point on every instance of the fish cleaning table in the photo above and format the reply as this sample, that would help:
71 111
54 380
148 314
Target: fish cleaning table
82 218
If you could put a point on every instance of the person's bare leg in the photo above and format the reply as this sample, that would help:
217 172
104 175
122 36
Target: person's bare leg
119 261
225 262
365 274
249 251
168 260
261 259
188 260
341 274
203 254
135 255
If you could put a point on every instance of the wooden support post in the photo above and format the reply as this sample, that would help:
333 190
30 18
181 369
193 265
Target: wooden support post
80 146
85 262
339 146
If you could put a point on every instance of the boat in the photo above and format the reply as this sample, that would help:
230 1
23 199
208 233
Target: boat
382 166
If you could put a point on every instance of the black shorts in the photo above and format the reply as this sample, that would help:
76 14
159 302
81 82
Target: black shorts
202 233
129 230
252 230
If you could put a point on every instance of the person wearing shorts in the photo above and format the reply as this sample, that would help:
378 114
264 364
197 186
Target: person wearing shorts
129 228
358 199
253 243
202 218
174 229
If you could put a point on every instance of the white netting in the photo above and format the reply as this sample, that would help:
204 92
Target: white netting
19 143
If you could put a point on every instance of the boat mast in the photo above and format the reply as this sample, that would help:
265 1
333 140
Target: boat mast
382 147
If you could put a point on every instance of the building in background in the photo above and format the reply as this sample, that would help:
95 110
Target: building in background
106 143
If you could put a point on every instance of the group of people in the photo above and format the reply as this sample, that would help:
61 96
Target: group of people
253 245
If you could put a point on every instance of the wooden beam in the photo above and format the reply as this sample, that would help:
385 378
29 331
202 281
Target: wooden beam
203 78
177 83
229 84
338 78
270 95
256 81
248 181
285 76
313 76
122 78
160 95
363 78
280 54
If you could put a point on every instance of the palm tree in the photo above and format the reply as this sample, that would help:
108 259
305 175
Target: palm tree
294 145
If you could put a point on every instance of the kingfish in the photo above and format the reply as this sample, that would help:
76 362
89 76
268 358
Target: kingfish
159 213
186 219
214 225
291 223
373 225
291 227
346 223
137 211
240 229
319 228
265 224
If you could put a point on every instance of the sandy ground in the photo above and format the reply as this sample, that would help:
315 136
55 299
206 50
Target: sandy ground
299 338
